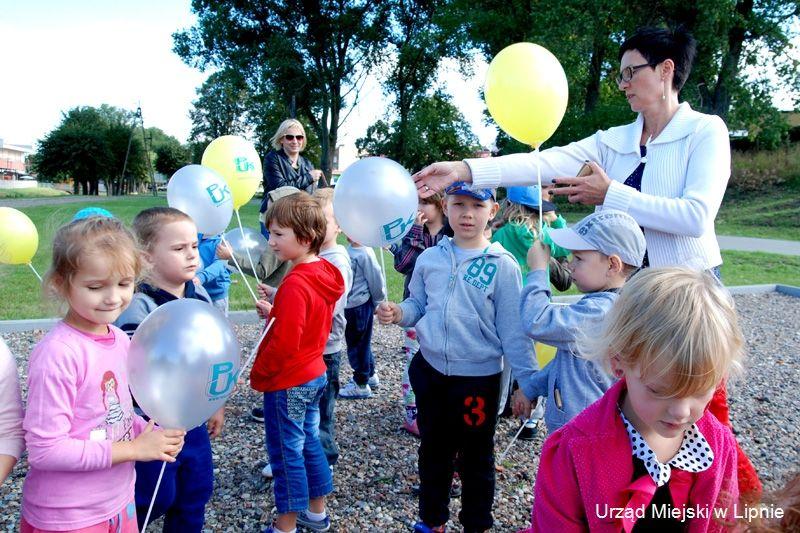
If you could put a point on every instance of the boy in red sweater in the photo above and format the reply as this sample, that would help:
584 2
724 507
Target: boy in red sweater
289 368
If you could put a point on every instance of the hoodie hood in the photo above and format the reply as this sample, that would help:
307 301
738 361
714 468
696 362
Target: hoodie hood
324 277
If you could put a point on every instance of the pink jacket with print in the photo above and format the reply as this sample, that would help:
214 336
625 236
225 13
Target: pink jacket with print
587 464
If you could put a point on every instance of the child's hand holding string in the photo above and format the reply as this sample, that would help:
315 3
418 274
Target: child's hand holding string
538 255
421 220
389 313
150 445
263 308
521 406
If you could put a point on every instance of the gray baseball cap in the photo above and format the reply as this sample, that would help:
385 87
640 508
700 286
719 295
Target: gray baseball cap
609 232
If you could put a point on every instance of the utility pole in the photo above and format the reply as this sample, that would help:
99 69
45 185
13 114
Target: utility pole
137 117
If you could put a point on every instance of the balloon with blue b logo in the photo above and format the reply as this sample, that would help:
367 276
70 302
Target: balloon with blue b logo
183 363
375 201
202 194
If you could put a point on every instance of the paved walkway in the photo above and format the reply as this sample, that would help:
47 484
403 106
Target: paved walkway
751 244
16 203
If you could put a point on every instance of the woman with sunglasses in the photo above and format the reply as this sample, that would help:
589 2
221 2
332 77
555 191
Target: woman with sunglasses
668 170
284 165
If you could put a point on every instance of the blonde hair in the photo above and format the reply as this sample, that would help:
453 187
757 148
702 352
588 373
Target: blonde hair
303 215
147 223
285 126
679 326
323 196
99 235
521 215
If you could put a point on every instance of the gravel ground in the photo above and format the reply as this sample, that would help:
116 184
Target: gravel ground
378 462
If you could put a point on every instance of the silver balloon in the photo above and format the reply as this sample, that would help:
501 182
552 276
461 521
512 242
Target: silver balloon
247 240
202 194
375 201
183 363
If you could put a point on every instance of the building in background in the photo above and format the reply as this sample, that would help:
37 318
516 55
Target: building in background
12 161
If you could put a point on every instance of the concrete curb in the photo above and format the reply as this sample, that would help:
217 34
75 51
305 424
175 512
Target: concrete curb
250 317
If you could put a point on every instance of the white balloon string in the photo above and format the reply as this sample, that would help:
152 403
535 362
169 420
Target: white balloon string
252 355
510 444
244 278
36 273
539 183
249 257
153 499
383 280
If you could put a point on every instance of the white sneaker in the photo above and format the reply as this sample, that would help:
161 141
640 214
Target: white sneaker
267 471
373 381
353 391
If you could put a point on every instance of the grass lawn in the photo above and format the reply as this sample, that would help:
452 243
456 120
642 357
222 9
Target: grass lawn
20 295
31 192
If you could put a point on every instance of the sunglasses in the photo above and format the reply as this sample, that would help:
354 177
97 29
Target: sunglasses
293 137
627 73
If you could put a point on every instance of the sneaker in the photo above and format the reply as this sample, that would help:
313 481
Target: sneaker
529 431
420 527
374 382
314 525
411 427
354 391
257 414
267 471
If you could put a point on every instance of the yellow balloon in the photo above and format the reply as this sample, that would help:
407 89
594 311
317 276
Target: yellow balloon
236 160
526 92
544 353
18 237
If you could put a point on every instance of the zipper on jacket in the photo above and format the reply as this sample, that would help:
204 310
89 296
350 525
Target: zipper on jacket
450 286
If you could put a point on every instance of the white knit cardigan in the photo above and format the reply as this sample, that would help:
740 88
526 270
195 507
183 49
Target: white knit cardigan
685 176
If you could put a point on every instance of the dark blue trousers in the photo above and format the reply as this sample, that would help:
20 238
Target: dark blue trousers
185 488
358 334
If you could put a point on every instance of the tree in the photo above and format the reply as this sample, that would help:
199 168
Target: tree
440 133
88 146
299 59
170 157
220 108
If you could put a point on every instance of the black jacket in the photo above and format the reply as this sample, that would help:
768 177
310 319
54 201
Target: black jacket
278 172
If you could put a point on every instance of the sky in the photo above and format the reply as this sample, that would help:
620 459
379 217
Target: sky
90 52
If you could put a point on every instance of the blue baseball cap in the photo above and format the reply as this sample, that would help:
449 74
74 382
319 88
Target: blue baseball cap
463 189
529 197
87 212
609 232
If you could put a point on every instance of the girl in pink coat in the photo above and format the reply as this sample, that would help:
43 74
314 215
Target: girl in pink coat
648 455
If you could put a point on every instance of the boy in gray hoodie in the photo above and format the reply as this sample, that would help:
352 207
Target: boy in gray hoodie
607 247
338 256
464 301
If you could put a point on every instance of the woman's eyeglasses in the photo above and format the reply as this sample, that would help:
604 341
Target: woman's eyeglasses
627 73
293 137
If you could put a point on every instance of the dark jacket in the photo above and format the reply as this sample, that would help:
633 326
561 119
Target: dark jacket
278 172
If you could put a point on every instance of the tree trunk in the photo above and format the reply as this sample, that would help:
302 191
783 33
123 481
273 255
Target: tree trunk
721 100
334 134
324 140
595 71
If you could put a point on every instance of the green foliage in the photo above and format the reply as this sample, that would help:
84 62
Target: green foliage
88 146
436 131
170 157
755 171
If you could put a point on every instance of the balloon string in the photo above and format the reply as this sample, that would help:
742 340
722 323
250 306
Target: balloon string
153 499
34 271
539 184
383 278
252 354
510 444
249 257
244 278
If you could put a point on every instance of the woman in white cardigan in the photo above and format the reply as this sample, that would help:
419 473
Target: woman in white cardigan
668 169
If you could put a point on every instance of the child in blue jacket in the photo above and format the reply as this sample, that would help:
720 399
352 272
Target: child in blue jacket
213 274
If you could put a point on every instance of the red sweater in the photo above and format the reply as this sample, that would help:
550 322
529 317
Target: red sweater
291 353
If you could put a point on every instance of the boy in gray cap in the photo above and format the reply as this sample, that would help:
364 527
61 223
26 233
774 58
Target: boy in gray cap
607 247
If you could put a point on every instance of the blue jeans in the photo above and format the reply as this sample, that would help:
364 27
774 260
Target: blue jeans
358 333
327 431
185 488
299 467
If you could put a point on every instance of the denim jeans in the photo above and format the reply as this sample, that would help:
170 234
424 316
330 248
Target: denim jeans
358 333
327 431
299 467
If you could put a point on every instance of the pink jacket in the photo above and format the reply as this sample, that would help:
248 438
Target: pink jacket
587 465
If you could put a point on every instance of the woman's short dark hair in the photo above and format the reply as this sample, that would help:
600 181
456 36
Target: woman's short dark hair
660 44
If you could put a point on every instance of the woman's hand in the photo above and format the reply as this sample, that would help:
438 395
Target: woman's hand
586 190
438 176
316 174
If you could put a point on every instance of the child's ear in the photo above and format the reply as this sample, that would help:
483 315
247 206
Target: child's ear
617 367
615 265
146 258
493 211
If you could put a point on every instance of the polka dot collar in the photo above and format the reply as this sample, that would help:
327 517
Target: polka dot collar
694 455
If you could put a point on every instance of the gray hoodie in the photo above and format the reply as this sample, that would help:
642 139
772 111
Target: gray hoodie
337 255
570 382
367 277
467 314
